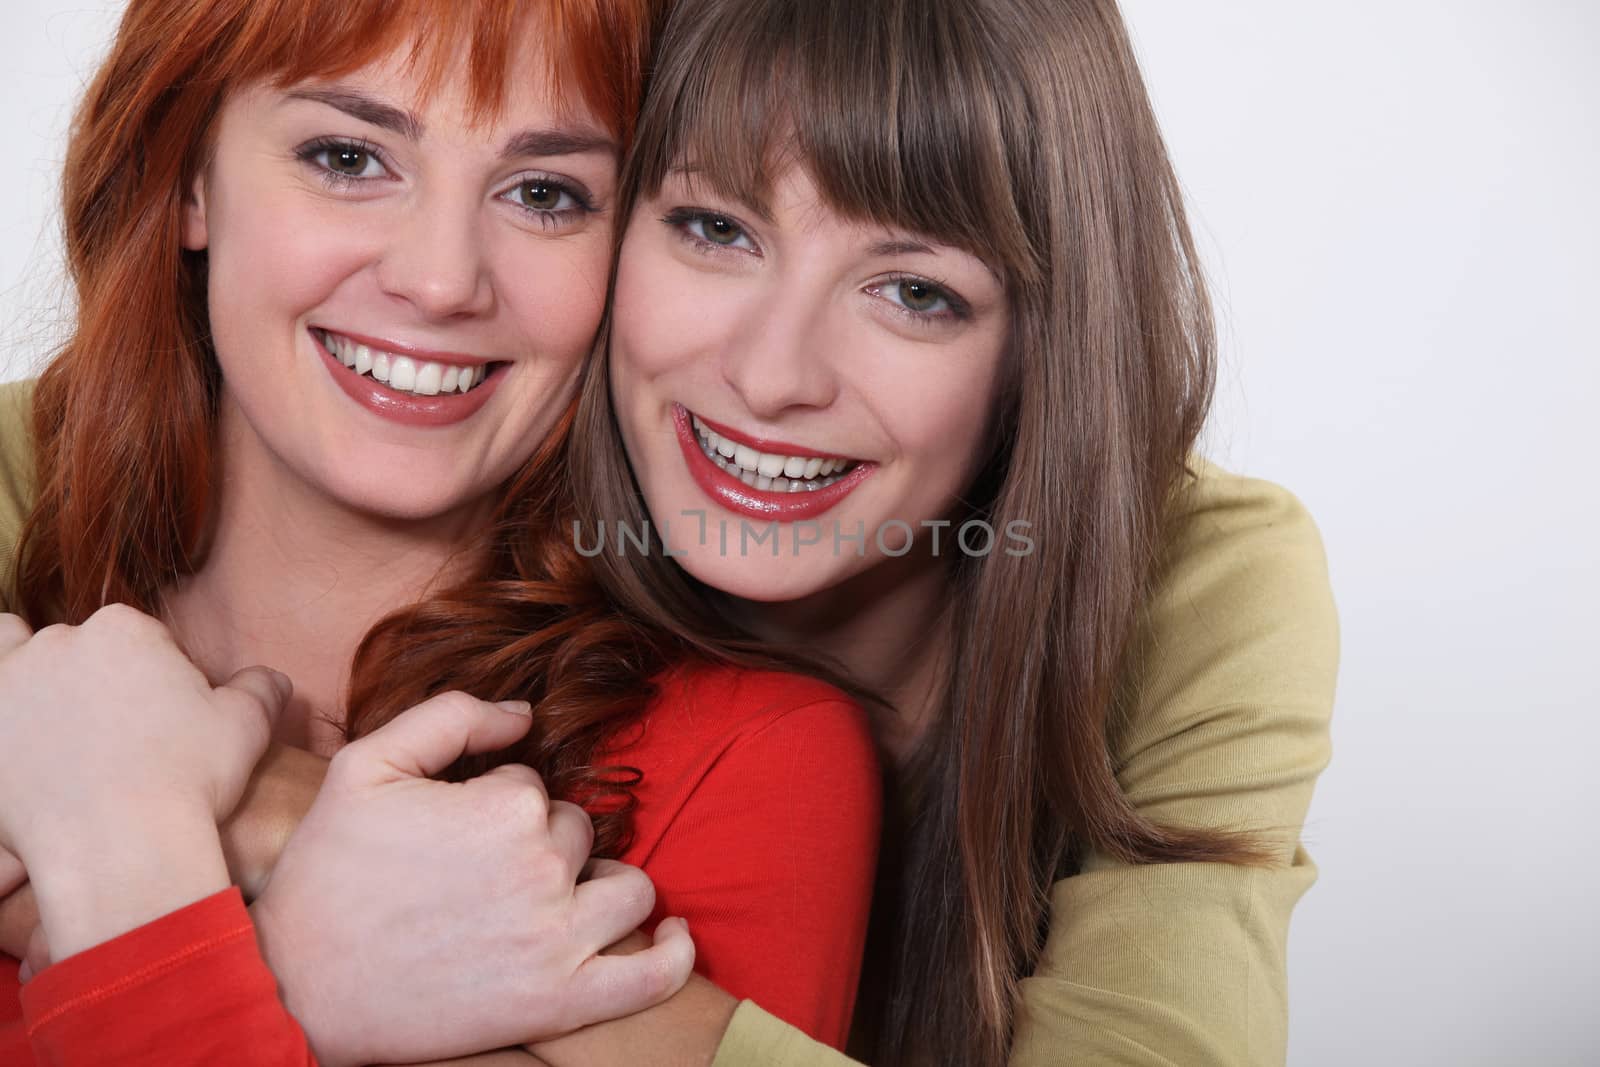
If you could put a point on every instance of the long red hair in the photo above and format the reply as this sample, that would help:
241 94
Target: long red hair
124 417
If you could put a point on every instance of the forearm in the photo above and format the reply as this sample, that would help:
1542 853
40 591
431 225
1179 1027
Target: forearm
281 791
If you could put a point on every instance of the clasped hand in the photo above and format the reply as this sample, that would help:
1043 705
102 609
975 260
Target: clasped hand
407 918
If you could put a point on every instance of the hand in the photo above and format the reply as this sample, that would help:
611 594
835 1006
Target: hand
117 758
684 1030
413 919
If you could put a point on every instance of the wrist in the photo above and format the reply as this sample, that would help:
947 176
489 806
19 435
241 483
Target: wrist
99 882
297 988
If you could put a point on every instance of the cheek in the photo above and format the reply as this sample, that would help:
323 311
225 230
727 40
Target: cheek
938 416
662 315
556 291
274 260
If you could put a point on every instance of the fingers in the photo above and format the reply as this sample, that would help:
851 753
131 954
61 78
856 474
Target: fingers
571 834
261 694
616 900
13 632
426 739
607 987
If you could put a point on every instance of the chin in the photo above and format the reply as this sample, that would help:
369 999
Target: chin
402 496
760 580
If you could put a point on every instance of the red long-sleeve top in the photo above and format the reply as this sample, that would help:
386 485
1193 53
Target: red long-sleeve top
757 821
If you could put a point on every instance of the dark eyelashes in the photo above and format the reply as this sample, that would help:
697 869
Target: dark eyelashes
679 217
959 308
308 153
956 308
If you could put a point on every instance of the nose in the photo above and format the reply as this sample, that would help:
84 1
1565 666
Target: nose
782 356
434 259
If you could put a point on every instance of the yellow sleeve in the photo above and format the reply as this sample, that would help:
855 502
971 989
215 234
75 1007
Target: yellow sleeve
1230 689
754 1036
16 478
1230 694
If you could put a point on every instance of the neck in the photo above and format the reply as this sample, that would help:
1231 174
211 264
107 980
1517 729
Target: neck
888 628
293 580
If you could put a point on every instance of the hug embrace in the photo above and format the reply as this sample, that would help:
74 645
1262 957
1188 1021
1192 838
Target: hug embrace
324 736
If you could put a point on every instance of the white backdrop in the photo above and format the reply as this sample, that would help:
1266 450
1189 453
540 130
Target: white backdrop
1397 204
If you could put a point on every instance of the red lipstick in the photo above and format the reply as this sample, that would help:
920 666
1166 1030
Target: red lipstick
733 494
409 409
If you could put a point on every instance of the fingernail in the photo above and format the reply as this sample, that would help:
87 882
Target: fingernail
24 972
515 707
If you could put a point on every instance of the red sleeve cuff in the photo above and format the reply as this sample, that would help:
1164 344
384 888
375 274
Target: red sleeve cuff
189 988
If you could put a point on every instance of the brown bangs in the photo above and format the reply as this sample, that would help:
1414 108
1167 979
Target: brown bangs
593 51
897 110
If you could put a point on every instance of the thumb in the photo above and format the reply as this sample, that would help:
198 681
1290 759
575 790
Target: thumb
424 740
261 693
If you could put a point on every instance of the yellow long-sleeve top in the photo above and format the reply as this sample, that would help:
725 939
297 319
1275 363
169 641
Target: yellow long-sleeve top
1177 965
1232 676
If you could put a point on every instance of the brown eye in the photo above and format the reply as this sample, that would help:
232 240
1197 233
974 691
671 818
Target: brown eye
348 161
540 195
720 231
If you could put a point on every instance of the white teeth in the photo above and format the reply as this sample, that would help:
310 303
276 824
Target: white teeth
764 471
402 373
429 377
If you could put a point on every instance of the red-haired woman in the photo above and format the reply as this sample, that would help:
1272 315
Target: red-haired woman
338 267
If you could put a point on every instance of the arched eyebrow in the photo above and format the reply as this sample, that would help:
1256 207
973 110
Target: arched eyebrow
900 248
368 109
547 141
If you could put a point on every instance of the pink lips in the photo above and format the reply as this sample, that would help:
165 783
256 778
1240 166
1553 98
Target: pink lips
734 495
407 408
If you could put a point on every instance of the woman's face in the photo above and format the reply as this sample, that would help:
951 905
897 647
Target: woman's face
399 298
831 377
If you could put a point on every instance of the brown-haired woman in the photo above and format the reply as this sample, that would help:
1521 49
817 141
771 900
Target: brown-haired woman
338 269
940 249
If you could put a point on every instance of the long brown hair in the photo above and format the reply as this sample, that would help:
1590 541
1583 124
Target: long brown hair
124 417
1020 131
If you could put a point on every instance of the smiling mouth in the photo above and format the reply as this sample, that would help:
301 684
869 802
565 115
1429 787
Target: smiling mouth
769 471
402 373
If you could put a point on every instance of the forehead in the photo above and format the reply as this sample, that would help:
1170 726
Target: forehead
441 91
